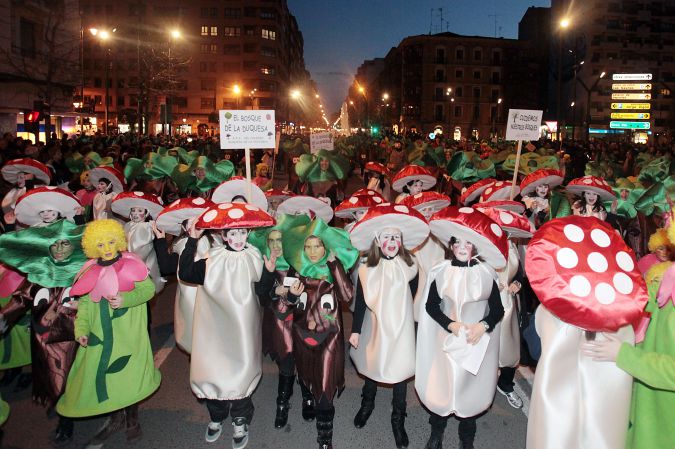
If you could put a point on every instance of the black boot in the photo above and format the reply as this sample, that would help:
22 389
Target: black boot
284 393
397 426
438 424
308 404
114 423
64 432
324 428
367 407
467 432
9 375
134 432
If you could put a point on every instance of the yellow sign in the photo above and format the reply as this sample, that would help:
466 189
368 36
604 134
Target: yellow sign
622 96
631 106
631 115
632 86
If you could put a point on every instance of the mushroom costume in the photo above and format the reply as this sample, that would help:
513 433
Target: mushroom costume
13 172
589 286
170 220
593 184
139 233
306 205
355 207
29 206
103 199
379 178
409 175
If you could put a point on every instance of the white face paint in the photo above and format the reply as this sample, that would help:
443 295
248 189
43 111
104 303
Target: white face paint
591 197
416 187
462 250
542 190
21 179
358 214
137 214
390 241
236 238
48 215
427 211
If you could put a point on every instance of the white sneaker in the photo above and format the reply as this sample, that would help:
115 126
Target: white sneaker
239 433
512 397
213 431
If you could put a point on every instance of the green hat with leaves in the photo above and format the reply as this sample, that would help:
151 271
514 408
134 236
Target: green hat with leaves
309 169
183 175
468 167
530 162
77 163
152 166
655 171
655 198
258 237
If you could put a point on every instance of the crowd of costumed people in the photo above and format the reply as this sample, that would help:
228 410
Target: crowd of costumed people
458 261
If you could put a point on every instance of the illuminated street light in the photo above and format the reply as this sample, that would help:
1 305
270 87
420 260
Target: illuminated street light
499 101
316 96
236 89
295 94
385 96
175 34
565 22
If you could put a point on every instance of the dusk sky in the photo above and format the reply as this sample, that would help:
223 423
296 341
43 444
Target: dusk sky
340 34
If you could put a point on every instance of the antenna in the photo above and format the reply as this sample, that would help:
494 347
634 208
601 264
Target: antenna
494 16
431 19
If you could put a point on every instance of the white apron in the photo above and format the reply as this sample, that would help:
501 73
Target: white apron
101 205
226 360
509 338
184 305
442 385
428 255
576 402
139 242
386 351
9 201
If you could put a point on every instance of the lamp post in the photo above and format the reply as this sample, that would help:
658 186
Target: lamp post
173 35
104 36
589 90
295 95
564 23
365 104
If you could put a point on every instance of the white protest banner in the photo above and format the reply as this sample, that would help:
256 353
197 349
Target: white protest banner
246 129
523 124
320 141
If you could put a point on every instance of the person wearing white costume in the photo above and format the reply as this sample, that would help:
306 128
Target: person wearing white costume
457 350
226 362
383 330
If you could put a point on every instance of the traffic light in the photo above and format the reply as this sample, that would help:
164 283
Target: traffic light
32 117
374 130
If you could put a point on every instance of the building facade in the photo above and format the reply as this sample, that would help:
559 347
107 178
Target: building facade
454 84
196 57
615 38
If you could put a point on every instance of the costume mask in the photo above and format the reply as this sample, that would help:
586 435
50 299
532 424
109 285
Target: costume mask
389 241
107 248
61 250
314 249
236 238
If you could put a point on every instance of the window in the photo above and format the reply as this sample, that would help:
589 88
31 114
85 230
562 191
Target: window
440 56
269 34
213 67
180 102
476 74
250 12
203 66
231 66
120 83
250 65
268 14
120 100
205 30
208 103
98 82
250 48
231 31
459 74
476 92
494 96
493 113
209 12
213 49
459 92
181 85
459 54
27 34
440 76
477 55
438 113
203 48
267 51
98 99
438 93
208 84
214 31
496 57
495 77
232 13
249 30
231 49
458 111
476 112
265 70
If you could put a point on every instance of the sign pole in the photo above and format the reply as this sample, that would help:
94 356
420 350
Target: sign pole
515 170
249 192
274 155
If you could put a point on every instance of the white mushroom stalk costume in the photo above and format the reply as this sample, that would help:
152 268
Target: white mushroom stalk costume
411 180
590 288
14 172
109 182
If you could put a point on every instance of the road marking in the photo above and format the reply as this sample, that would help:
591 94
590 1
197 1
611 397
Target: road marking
165 350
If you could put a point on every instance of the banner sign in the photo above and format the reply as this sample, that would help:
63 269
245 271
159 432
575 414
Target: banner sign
623 96
631 106
523 124
629 125
320 141
631 115
632 77
632 86
246 129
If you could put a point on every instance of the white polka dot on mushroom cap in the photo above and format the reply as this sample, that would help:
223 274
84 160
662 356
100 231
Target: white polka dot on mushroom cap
600 238
505 217
377 199
353 200
175 203
224 206
624 261
579 286
210 216
418 195
487 192
567 258
235 213
466 210
587 181
597 262
623 283
51 188
401 208
496 230
605 293
137 193
198 201
252 207
573 233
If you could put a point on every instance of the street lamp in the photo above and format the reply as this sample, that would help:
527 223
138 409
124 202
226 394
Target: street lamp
104 36
294 95
173 35
564 24
236 90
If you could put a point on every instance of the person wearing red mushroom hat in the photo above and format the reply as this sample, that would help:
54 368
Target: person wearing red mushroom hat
109 182
411 180
535 189
376 177
651 363
23 174
589 194
458 333
383 329
44 205
86 194
590 289
226 361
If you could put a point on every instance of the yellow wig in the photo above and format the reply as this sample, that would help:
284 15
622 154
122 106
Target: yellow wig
100 230
656 272
658 238
671 228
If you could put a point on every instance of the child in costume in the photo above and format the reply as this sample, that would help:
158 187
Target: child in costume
535 189
458 333
383 330
226 362
262 176
51 257
109 182
23 174
411 180
651 362
318 341
114 368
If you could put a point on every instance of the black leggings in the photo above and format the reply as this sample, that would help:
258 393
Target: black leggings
237 408
287 365
400 391
466 430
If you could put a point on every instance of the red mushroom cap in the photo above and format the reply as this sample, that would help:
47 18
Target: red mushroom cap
31 203
514 224
114 175
124 201
498 190
543 176
411 223
585 274
355 203
378 168
368 192
234 215
474 226
513 206
413 173
238 185
475 190
11 170
592 183
278 194
172 216
428 199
